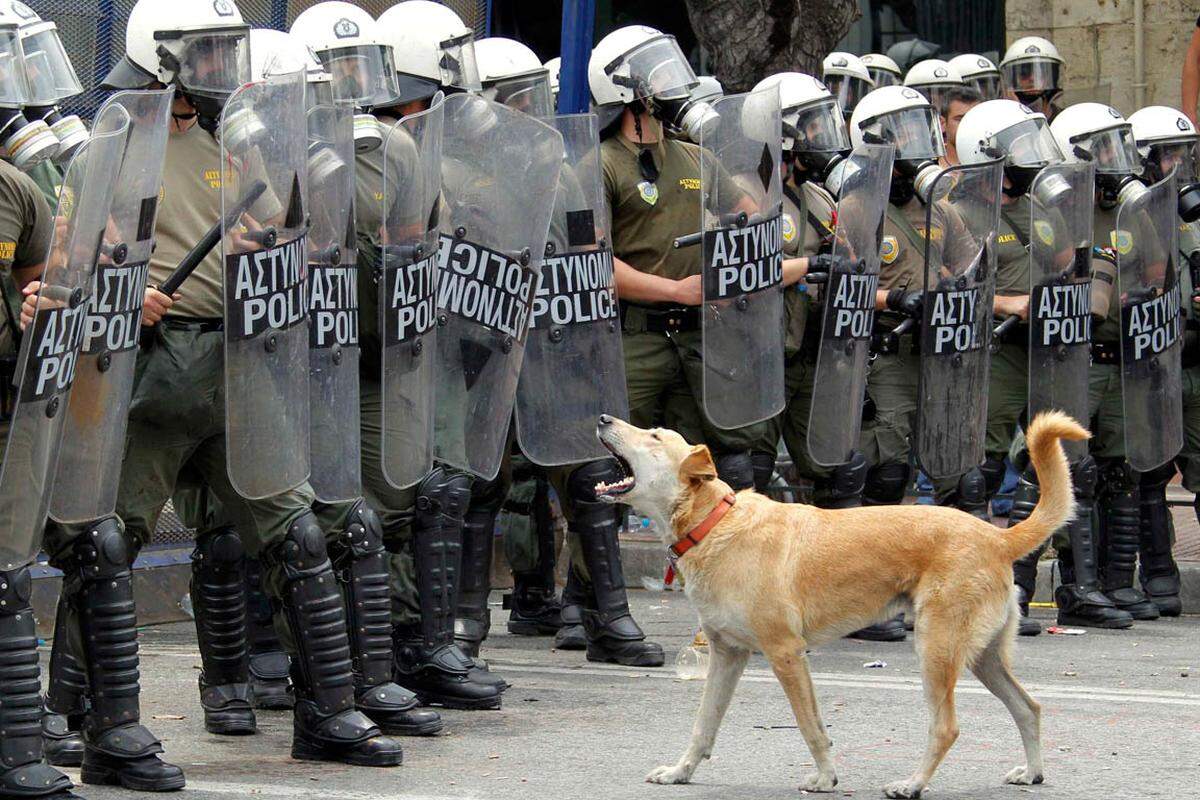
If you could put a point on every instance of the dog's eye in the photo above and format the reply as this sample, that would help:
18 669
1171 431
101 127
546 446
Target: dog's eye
655 437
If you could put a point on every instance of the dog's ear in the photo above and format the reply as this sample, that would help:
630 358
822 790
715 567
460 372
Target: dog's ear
698 467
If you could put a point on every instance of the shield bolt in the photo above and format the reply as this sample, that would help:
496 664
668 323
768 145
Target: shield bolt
507 344
460 232
443 320
957 360
52 407
417 347
742 303
76 297
549 249
337 354
556 334
525 257
961 283
271 344
104 362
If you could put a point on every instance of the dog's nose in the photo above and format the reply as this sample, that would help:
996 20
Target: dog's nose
605 419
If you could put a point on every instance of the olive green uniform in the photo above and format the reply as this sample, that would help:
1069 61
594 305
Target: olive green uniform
663 371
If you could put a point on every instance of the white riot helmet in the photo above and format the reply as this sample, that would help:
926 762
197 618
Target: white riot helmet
979 73
883 70
344 37
933 78
1006 128
903 117
27 141
433 49
51 78
639 63
1167 142
553 67
1098 133
513 75
707 89
847 78
1030 69
814 131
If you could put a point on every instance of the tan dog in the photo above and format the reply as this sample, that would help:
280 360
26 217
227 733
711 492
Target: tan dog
780 578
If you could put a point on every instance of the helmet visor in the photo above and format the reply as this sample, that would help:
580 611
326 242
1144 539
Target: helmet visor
1113 150
13 89
656 68
818 128
529 93
883 77
915 132
848 90
363 74
1031 76
213 63
48 69
1178 156
457 63
987 85
1028 144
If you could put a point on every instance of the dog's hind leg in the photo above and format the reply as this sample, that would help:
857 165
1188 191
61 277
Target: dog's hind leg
725 665
941 661
993 671
791 668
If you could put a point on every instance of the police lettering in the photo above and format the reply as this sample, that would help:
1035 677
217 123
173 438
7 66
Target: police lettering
850 313
575 288
1061 314
264 290
743 260
1151 326
114 315
952 322
333 304
484 286
411 295
57 334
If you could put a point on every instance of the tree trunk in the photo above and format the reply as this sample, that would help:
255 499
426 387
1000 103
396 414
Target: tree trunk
751 39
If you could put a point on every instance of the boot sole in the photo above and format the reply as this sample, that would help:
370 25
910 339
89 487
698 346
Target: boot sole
485 704
103 776
428 729
1085 622
305 752
532 629
231 727
646 660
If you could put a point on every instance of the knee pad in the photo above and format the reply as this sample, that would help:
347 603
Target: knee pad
1085 473
488 496
101 551
218 549
302 552
736 469
16 587
993 470
764 469
1117 476
444 491
364 530
581 486
887 483
847 480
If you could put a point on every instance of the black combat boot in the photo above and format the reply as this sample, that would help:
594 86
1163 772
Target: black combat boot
66 697
1121 521
736 469
270 670
326 724
23 771
472 618
118 749
763 465
1025 498
571 635
360 563
1158 572
219 606
533 606
1079 599
612 634
428 662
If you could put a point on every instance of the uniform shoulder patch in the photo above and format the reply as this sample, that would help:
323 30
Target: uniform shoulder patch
649 192
789 228
1122 241
889 249
1044 231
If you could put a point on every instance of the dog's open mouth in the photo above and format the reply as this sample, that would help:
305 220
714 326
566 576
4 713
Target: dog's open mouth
617 487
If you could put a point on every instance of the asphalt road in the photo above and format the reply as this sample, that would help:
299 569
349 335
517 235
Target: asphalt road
1122 720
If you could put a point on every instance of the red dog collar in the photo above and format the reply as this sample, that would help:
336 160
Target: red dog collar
694 536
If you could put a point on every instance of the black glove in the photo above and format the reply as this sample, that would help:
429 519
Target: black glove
906 302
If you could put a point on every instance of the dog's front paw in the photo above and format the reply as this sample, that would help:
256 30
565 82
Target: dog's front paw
668 775
819 782
905 789
1021 776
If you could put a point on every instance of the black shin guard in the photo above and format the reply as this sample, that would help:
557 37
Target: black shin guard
23 772
472 619
763 465
571 635
844 486
1158 572
66 696
1025 499
1120 505
736 469
533 608
219 605
270 680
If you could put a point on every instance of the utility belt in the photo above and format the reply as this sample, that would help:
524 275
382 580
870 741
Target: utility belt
1106 353
659 319
195 324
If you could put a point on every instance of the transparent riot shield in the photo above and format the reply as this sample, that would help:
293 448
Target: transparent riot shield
1060 292
956 321
50 346
742 261
848 307
1147 245
89 470
333 305
574 370
264 143
412 185
500 171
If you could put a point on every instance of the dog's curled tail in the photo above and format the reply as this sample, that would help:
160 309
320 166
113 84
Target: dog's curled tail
1056 505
